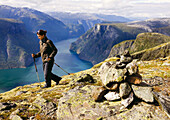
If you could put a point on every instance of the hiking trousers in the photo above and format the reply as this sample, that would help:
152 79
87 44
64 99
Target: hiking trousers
48 75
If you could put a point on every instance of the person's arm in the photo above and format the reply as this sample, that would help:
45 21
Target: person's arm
37 55
52 46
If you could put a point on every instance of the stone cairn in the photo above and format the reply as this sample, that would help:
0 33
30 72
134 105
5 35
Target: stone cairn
122 81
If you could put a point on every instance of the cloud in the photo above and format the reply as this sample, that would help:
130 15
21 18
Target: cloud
126 8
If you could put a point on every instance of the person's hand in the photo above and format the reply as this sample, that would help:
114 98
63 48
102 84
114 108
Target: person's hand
48 59
33 55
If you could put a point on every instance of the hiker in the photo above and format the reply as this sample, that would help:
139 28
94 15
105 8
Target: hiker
47 53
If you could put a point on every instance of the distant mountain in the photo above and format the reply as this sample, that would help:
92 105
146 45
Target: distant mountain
147 46
35 20
161 25
95 45
17 44
86 19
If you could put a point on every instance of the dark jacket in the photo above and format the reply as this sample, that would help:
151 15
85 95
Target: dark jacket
47 50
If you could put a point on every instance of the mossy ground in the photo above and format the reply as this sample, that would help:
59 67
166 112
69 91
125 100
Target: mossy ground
148 69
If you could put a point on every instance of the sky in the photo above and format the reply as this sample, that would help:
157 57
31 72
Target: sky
125 8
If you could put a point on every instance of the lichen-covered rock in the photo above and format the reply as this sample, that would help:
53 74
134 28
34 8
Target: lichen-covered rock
132 68
163 101
120 75
86 78
46 107
98 93
104 67
126 102
77 104
15 117
112 96
144 93
107 74
124 90
116 76
125 59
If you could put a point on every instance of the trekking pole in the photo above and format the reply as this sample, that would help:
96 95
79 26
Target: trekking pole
37 72
62 69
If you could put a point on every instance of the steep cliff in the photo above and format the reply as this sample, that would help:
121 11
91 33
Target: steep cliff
17 44
95 44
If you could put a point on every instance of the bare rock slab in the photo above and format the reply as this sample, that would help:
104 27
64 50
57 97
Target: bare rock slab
132 68
124 89
144 93
126 102
112 96
98 93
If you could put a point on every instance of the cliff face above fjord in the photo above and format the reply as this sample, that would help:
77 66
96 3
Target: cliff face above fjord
95 44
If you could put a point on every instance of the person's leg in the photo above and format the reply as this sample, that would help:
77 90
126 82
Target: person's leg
55 78
47 67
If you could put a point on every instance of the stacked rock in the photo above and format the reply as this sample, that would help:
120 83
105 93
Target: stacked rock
122 81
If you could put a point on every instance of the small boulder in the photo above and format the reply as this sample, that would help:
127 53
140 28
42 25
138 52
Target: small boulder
132 68
86 78
7 106
144 93
163 101
125 59
126 102
15 117
20 92
120 65
98 93
124 90
116 76
112 96
134 79
112 86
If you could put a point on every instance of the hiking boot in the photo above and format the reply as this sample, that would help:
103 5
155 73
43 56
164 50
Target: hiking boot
58 81
46 86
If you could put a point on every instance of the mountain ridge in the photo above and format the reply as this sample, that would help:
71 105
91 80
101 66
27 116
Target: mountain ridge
35 20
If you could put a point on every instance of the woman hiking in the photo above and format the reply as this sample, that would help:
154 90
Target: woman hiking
47 53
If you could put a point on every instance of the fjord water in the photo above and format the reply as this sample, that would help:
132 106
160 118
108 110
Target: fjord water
11 78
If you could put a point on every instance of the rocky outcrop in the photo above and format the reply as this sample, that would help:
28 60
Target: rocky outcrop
146 46
76 94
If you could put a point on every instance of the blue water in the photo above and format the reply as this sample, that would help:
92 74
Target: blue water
11 78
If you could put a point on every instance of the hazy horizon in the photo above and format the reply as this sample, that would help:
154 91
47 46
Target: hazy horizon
125 8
